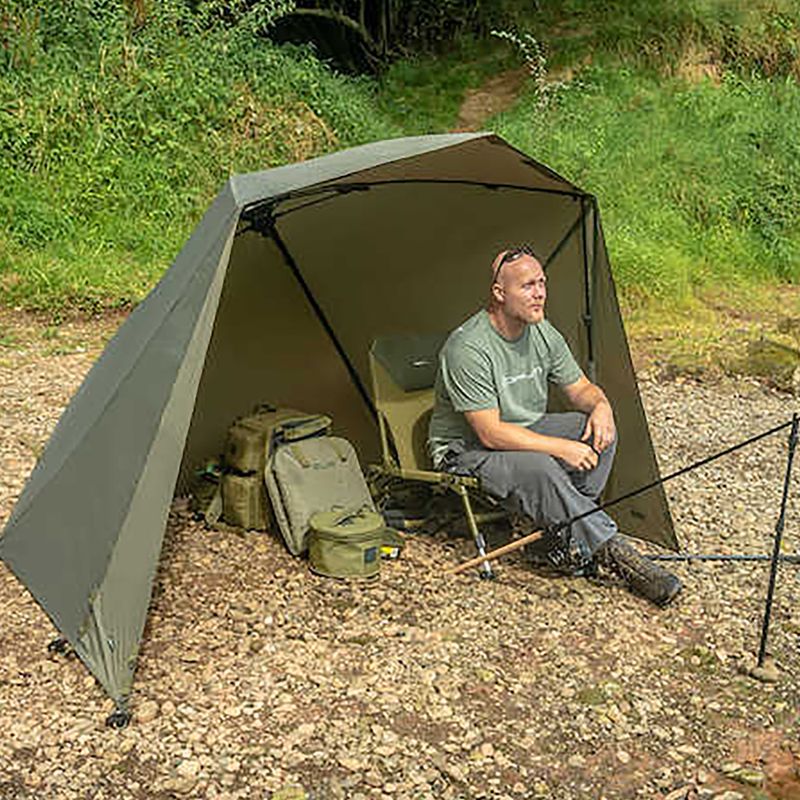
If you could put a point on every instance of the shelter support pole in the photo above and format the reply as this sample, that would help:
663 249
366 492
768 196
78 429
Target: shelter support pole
587 292
272 232
595 246
776 548
255 211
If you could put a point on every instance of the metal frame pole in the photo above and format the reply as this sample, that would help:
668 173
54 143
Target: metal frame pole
265 224
486 571
587 294
777 543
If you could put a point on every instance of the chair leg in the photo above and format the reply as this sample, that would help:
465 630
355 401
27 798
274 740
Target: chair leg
486 571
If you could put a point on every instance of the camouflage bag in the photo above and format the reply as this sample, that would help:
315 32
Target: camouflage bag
244 502
250 440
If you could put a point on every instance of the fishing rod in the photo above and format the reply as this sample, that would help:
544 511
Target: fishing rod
787 559
554 534
561 543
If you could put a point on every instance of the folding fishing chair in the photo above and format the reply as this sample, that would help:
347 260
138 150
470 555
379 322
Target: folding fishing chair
403 369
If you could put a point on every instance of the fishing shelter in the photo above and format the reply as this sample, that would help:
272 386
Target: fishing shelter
276 297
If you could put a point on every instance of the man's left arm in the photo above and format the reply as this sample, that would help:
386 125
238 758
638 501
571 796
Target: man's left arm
588 397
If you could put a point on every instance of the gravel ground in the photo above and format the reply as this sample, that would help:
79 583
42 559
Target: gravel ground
257 679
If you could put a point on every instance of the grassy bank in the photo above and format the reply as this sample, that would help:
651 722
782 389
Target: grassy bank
114 139
699 183
114 136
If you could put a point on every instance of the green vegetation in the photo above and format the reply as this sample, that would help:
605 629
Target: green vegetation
424 94
118 126
113 140
760 35
698 182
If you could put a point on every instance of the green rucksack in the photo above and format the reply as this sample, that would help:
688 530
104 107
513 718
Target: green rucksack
305 476
252 438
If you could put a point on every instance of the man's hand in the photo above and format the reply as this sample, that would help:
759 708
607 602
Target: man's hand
497 435
577 455
600 428
586 396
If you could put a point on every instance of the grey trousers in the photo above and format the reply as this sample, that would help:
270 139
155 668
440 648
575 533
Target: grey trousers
541 486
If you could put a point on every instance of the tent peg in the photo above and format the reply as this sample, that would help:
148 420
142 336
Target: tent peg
120 717
59 645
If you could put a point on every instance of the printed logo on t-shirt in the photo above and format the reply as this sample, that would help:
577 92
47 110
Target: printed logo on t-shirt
508 380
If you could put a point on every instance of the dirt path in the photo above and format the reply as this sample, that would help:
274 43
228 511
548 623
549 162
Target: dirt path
256 678
497 94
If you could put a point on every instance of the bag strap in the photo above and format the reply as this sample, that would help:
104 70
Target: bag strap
347 515
293 429
214 508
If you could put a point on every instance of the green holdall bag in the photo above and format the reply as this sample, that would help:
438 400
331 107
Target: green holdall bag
346 544
251 439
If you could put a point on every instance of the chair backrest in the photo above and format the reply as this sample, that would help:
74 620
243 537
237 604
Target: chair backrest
403 369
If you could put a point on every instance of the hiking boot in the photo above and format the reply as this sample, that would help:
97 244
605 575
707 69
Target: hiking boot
641 575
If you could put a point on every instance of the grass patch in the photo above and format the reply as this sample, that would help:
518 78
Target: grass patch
700 659
115 140
424 94
699 184
592 696
713 332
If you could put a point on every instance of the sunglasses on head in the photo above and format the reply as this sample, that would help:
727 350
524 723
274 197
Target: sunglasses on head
512 255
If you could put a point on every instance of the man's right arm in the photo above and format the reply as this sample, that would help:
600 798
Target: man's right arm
494 434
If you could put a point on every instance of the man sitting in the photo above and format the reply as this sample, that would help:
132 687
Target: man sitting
490 421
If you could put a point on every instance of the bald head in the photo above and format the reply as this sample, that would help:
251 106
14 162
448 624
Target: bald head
519 286
508 262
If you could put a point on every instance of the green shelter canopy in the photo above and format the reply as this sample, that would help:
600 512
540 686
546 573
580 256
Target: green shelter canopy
276 297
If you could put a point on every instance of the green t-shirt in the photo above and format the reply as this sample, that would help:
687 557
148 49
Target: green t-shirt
480 369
